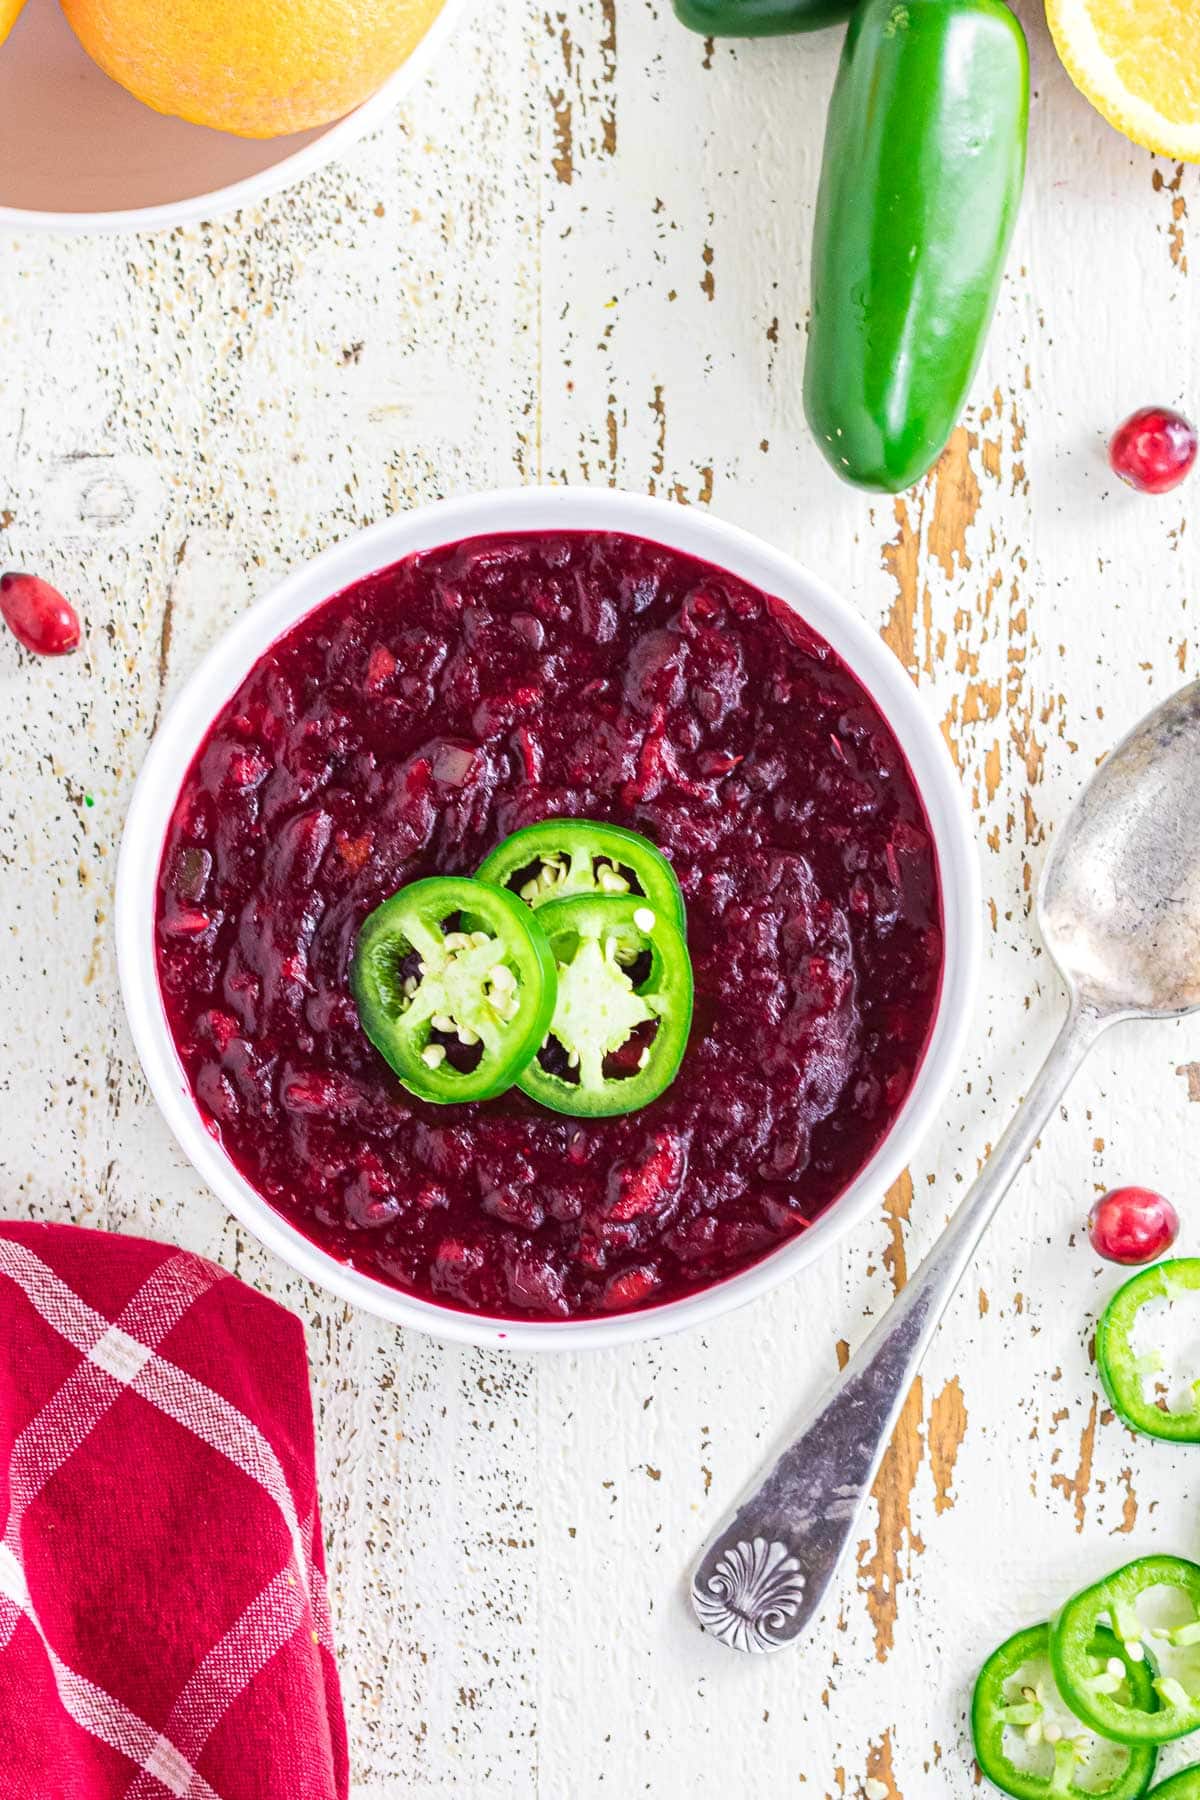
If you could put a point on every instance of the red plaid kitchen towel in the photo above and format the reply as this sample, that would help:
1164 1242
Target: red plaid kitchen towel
164 1628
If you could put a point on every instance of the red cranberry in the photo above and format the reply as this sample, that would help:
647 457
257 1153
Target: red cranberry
646 1185
515 1206
38 615
185 921
1132 1225
534 1284
247 769
222 1028
316 1094
381 666
366 1208
629 1289
1153 450
354 852
453 1269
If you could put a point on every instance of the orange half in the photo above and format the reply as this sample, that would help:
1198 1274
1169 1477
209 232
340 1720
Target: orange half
9 9
258 68
1138 62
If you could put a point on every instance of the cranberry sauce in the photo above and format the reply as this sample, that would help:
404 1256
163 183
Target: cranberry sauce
407 726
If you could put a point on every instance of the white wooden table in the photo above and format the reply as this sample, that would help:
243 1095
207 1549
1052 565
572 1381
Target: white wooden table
581 254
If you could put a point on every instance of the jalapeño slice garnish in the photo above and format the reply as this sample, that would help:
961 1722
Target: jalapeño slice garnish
455 987
1028 1742
1183 1785
1171 1646
624 1008
1139 1385
562 858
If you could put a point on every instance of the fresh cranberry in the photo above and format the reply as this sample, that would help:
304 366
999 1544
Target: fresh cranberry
1132 1225
1153 450
38 616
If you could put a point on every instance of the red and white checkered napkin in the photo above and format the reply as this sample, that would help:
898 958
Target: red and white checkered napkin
164 1628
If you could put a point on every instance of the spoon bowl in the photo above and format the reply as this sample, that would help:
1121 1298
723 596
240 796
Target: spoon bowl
1119 902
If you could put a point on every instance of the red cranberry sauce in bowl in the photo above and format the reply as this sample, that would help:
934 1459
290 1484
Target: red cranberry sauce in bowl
403 729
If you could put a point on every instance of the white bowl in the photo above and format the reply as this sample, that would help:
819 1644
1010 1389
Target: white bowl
78 153
552 509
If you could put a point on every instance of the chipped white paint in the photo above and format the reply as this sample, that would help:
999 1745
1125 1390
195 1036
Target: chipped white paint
581 253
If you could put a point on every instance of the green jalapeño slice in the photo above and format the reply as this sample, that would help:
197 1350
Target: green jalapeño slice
561 858
1028 1742
455 987
1185 1785
1153 1606
624 1009
1137 1382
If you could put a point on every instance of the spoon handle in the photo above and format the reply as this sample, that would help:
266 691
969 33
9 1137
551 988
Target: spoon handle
766 1573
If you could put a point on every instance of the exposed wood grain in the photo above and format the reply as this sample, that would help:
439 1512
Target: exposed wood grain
885 1563
1076 1486
947 1429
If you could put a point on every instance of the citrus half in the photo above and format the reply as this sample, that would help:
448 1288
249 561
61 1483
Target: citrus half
8 16
1138 62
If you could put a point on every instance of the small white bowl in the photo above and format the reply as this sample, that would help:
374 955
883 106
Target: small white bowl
544 509
79 154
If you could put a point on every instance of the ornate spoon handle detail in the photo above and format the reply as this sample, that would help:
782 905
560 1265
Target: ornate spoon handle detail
766 1573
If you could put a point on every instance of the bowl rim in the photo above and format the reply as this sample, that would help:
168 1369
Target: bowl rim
426 527
336 138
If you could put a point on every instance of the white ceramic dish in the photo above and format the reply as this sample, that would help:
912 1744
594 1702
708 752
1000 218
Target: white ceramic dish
531 509
77 153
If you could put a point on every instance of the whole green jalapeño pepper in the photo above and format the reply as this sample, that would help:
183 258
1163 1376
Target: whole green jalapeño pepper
624 1008
1096 1691
920 186
761 18
563 857
1027 1742
1126 1375
455 987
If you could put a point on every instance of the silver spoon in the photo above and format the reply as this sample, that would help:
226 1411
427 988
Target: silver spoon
1119 911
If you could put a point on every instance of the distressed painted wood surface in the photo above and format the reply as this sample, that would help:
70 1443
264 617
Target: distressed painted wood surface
580 254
